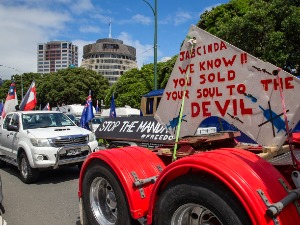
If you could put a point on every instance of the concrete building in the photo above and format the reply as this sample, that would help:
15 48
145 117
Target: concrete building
109 57
56 55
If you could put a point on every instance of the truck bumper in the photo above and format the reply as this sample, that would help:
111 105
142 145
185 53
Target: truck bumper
62 157
53 157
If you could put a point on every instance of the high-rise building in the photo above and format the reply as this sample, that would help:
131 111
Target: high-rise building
109 57
56 55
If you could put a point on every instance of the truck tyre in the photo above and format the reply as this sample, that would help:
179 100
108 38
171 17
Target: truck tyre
2 163
204 202
28 174
79 166
103 197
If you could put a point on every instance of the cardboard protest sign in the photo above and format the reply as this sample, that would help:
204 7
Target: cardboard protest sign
217 79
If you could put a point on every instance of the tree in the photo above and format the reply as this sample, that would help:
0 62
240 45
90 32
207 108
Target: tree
71 86
266 29
68 86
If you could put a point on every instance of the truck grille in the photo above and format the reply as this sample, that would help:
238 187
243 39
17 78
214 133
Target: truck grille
70 140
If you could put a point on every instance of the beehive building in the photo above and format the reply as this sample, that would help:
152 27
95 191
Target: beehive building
109 57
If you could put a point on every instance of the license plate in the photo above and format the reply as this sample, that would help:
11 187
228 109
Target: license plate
75 151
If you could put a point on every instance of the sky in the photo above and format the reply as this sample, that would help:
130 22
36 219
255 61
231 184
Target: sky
26 23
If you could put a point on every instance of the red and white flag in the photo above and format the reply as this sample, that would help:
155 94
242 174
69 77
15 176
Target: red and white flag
29 101
11 100
47 107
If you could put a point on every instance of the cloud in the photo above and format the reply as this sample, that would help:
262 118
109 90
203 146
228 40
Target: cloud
141 19
81 6
165 59
144 52
90 29
208 8
22 29
178 18
182 17
137 19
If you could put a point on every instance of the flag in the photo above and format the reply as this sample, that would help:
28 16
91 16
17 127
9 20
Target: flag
11 100
112 112
87 113
47 107
29 101
97 107
1 107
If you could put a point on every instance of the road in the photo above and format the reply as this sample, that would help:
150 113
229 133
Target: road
51 201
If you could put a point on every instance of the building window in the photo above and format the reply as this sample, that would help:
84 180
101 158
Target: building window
110 46
41 47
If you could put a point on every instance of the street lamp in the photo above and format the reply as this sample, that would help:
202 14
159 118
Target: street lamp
20 76
155 40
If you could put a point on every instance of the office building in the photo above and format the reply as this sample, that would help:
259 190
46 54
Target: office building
56 55
109 57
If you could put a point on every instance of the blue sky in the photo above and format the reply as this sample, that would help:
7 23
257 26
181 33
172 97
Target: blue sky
25 23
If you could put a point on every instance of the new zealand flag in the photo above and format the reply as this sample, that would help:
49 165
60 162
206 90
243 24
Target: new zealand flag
87 113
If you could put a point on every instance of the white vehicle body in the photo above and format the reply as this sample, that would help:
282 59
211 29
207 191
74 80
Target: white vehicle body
122 111
46 146
74 109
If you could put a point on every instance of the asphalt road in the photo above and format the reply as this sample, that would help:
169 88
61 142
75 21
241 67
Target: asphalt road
51 201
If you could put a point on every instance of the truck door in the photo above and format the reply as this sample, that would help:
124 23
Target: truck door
14 135
6 137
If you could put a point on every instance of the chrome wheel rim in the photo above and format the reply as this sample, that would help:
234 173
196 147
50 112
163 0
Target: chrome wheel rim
194 214
24 169
103 202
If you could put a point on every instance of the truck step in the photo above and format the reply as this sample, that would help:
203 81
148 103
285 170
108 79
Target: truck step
9 160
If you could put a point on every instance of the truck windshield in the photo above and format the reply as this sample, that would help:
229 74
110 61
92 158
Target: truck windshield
43 120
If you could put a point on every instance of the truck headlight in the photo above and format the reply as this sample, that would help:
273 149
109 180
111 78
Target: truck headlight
40 142
92 137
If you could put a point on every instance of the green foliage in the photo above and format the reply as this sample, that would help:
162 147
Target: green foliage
68 86
71 86
266 29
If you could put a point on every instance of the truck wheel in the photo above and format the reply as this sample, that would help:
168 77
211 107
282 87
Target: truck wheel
28 175
2 164
204 202
103 197
79 166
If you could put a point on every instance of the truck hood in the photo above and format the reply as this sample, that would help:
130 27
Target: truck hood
51 132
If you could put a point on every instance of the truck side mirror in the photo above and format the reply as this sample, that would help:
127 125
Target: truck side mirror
13 128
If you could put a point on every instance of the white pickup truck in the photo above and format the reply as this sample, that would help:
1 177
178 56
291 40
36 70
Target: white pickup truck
35 140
